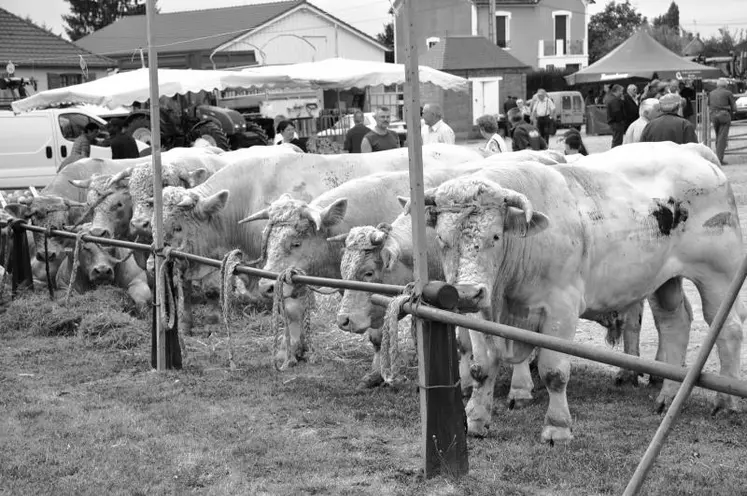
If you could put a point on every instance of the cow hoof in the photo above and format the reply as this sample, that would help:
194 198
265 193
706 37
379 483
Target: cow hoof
723 404
288 364
478 420
519 403
552 435
662 404
369 381
626 377
477 429
477 372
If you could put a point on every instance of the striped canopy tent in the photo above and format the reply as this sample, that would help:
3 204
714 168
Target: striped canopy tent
641 57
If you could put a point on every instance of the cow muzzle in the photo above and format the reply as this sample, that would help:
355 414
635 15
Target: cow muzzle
102 273
141 226
473 297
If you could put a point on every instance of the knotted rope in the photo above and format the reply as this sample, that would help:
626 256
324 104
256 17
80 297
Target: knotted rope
76 262
230 261
172 307
280 314
390 358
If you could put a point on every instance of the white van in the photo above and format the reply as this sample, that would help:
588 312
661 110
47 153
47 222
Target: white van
34 144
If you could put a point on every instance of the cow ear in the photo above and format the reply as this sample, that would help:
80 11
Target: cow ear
334 213
197 177
515 223
17 210
389 254
213 204
80 183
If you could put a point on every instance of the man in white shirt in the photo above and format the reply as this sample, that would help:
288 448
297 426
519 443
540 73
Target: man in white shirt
648 110
434 129
543 113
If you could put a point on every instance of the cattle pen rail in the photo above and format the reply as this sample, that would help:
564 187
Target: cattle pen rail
441 301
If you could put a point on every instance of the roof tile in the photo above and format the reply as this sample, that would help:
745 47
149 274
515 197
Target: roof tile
454 53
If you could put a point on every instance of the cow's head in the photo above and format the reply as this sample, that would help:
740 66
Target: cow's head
187 215
109 196
370 255
141 190
477 223
97 264
51 212
296 236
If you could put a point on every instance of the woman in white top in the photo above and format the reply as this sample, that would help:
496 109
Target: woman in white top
489 129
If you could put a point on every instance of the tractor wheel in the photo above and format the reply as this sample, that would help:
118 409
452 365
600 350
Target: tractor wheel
213 134
261 137
139 128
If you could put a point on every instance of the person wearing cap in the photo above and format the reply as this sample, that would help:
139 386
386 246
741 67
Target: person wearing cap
722 105
524 135
122 144
648 110
669 126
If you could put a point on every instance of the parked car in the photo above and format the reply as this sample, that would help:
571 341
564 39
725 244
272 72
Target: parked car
341 127
741 106
570 109
34 144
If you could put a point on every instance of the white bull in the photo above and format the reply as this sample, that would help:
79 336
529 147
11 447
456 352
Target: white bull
543 246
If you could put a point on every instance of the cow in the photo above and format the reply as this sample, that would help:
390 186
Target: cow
297 231
538 247
205 220
104 265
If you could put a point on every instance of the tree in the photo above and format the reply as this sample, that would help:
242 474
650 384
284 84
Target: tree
723 43
386 37
612 26
675 40
88 16
670 19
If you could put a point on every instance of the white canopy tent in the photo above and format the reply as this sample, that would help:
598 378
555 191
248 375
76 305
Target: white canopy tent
339 73
125 88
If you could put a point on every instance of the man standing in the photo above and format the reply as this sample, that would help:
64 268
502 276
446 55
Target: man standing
380 138
123 145
82 145
543 113
722 105
434 129
630 105
616 115
669 126
648 111
355 135
523 135
509 104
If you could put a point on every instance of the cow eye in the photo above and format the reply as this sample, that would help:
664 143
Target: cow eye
496 237
369 274
177 228
295 244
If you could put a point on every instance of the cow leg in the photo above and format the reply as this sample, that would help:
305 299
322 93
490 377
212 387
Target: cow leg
631 333
555 367
673 322
373 378
480 405
729 342
464 347
522 385
293 351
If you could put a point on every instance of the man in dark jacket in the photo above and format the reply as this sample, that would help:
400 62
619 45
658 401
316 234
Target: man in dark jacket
722 105
356 133
616 115
523 135
669 126
123 145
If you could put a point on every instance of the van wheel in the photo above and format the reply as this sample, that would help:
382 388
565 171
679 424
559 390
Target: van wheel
139 128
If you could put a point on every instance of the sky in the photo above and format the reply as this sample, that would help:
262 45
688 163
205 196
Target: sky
369 16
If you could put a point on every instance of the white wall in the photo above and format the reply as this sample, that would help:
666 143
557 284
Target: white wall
40 74
281 43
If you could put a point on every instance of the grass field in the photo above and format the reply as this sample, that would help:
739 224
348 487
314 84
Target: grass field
82 413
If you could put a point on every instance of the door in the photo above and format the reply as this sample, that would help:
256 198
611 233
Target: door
27 155
485 97
561 34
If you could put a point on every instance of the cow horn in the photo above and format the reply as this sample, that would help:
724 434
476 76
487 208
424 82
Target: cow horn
314 216
263 214
80 183
34 193
118 177
340 238
377 237
72 203
186 201
514 199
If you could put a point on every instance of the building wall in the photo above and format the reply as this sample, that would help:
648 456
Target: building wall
305 36
434 18
42 74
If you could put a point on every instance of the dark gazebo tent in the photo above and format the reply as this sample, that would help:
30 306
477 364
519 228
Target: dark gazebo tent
641 57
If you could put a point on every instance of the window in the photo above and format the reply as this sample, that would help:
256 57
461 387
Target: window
72 125
432 41
503 29
70 79
562 23
566 102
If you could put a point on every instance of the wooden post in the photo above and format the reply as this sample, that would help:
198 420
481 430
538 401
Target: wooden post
155 144
443 442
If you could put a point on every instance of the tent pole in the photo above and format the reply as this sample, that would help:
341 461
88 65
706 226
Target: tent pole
155 144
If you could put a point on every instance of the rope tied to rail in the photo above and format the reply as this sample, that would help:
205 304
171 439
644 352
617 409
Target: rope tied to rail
390 357
171 310
76 262
92 207
280 313
230 261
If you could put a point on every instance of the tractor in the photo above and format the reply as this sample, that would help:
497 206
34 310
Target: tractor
186 118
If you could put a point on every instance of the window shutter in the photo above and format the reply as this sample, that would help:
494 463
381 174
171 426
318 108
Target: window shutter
53 81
